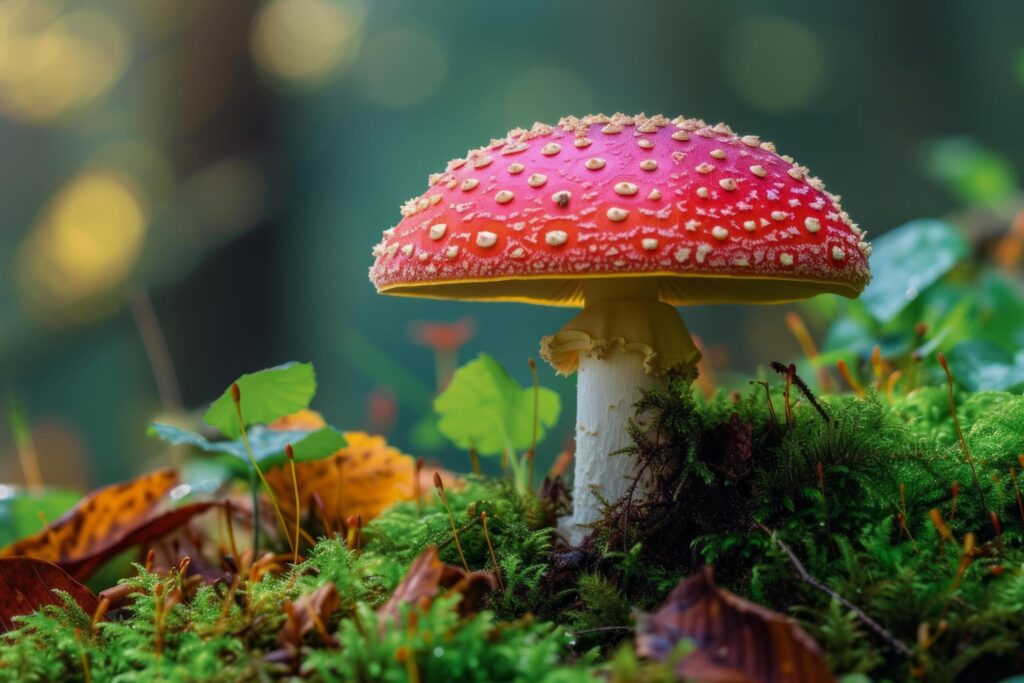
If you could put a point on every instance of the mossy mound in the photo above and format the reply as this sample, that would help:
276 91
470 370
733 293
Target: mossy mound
859 517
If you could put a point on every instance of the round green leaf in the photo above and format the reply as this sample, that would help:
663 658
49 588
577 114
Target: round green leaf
265 396
484 408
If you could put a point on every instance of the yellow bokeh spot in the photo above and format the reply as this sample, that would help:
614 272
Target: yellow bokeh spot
86 242
307 41
52 62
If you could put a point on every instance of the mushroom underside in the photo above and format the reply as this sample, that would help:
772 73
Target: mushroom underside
676 289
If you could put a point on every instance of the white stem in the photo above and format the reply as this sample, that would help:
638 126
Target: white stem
606 392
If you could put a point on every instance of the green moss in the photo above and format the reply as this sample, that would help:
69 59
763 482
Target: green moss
733 487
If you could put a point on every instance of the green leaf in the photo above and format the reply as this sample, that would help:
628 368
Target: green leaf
980 365
20 429
266 396
908 260
425 436
1001 318
319 444
484 408
267 444
849 335
973 174
19 511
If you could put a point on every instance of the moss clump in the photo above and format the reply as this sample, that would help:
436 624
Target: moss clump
840 513
851 493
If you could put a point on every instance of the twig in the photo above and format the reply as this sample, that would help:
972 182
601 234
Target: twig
160 361
155 344
806 577
602 629
25 446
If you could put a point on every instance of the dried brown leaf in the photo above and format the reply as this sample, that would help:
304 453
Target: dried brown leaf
107 521
361 479
427 576
321 604
145 531
27 584
737 640
101 515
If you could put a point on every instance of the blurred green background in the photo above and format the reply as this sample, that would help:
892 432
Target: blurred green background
224 168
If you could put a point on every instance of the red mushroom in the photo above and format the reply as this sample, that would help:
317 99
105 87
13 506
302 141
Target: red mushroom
626 217
445 339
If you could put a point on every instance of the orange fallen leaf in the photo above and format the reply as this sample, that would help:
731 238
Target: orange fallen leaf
145 531
100 515
737 640
361 479
304 420
106 522
427 576
27 584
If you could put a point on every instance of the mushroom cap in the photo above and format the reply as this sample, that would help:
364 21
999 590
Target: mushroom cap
705 215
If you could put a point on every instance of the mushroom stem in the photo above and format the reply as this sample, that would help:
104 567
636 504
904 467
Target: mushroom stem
607 390
624 341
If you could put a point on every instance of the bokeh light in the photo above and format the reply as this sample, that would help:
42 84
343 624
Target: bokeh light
52 62
546 93
775 64
401 67
155 20
230 158
307 42
85 243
